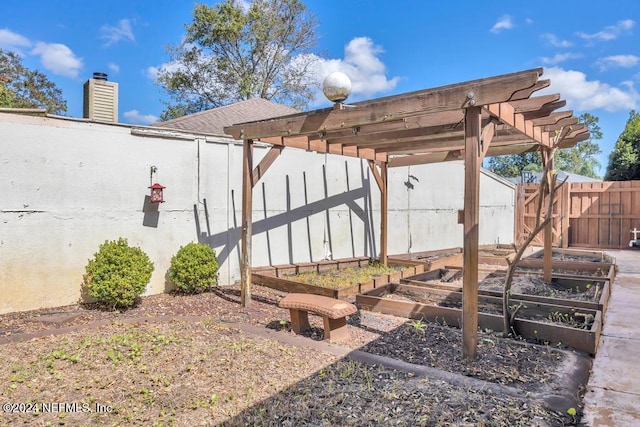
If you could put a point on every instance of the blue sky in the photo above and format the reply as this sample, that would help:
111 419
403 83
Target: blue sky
590 49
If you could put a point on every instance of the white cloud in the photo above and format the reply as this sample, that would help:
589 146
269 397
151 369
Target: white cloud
9 39
115 34
363 66
245 5
615 61
610 32
554 41
560 57
152 72
114 67
504 23
134 117
584 95
58 59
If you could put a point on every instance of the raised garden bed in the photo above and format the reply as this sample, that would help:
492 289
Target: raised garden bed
560 254
492 255
593 295
283 277
554 313
573 264
567 264
578 328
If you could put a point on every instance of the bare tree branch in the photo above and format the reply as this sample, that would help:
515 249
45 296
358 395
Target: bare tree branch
546 192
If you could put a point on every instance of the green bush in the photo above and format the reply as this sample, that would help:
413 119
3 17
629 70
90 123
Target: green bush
194 268
118 274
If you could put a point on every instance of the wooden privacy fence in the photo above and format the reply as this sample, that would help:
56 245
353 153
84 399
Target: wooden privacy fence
586 214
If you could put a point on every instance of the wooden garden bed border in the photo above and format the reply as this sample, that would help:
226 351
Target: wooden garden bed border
606 258
270 276
579 339
450 261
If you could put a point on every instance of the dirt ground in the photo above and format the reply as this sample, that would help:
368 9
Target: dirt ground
190 360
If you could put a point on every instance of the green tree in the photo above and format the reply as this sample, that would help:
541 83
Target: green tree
513 165
6 95
579 159
233 53
21 87
625 158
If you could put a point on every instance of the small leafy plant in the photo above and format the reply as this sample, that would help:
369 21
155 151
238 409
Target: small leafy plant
194 268
117 274
418 326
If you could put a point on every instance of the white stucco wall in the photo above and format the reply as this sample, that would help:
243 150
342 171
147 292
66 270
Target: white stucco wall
66 186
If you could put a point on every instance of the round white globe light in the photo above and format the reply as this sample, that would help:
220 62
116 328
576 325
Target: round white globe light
336 87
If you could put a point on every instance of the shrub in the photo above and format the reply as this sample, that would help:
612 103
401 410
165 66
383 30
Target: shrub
194 268
118 274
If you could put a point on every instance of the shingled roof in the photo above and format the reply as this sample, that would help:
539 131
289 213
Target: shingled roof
213 121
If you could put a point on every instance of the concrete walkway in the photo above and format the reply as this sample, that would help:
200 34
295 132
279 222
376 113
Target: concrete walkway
613 393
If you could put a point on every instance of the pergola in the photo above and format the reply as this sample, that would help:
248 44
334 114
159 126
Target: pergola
469 120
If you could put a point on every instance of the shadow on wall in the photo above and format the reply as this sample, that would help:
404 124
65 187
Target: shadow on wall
230 239
151 213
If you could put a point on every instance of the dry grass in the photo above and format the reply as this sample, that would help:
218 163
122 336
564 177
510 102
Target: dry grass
345 277
150 374
208 371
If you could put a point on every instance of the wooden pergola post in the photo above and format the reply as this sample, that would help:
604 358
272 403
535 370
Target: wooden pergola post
472 161
548 229
381 178
247 221
384 207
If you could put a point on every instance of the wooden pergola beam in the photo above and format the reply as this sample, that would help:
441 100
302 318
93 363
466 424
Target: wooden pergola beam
448 142
265 163
422 159
544 111
506 113
488 132
396 136
534 104
482 92
457 143
513 149
420 121
575 137
500 146
552 118
376 174
302 142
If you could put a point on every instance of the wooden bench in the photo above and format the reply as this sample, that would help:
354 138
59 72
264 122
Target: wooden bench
333 311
